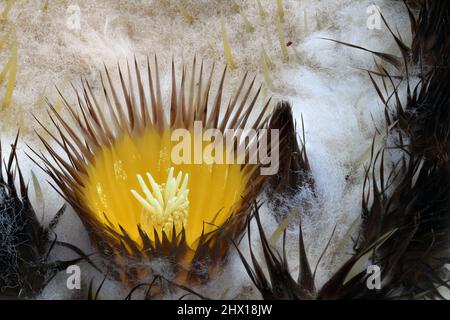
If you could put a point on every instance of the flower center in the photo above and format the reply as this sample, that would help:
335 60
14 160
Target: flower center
165 205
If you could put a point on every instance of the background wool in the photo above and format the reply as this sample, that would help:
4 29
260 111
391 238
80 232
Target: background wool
340 108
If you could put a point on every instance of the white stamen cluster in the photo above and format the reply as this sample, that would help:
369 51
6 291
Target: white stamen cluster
166 205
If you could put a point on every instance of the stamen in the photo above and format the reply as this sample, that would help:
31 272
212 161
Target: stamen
166 205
